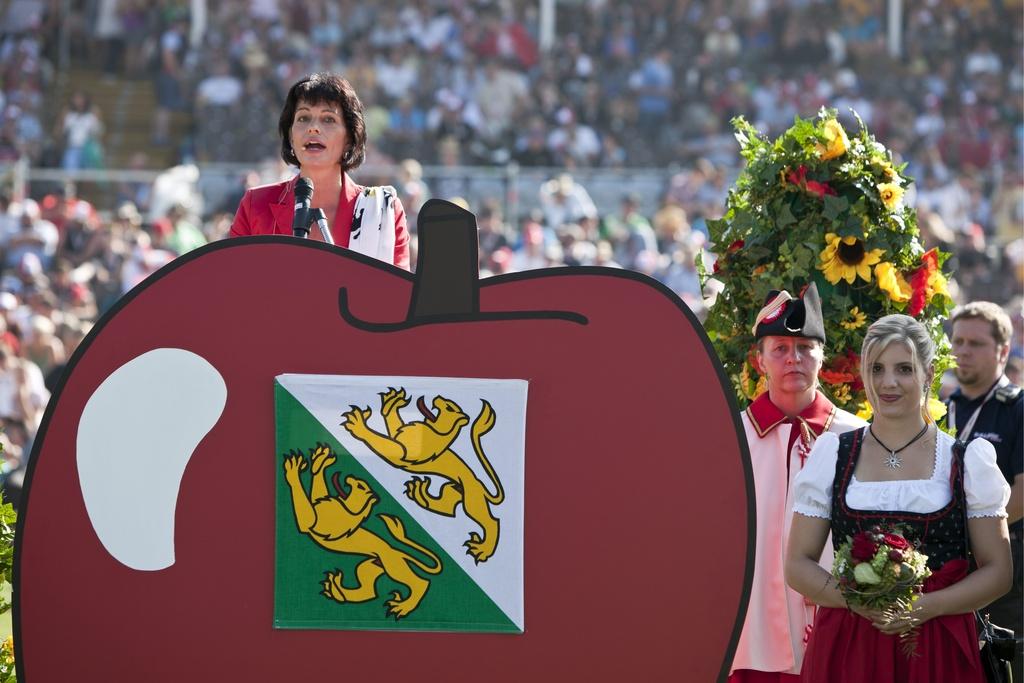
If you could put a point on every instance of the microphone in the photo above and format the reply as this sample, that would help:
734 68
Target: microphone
303 198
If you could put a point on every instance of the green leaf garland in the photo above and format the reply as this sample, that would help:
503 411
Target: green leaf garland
811 188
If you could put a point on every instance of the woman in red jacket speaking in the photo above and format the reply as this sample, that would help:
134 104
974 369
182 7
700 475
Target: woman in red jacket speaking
322 133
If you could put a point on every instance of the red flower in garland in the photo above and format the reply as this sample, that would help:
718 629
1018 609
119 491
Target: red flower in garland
799 178
844 369
835 376
922 282
734 247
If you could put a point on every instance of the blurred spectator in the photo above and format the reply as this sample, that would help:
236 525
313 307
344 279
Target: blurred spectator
74 298
80 242
681 276
135 19
397 74
71 335
17 445
23 395
61 206
41 345
565 201
137 193
653 84
572 143
170 77
531 253
81 129
629 232
501 95
493 234
671 225
144 257
184 235
506 39
412 189
453 184
219 137
221 88
405 128
109 31
531 147
30 235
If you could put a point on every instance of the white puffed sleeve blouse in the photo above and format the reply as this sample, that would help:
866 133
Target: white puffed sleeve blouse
986 489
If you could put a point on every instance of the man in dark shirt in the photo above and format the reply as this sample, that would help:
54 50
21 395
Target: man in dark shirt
988 406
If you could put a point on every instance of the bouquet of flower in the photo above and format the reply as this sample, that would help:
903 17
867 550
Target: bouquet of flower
824 205
880 569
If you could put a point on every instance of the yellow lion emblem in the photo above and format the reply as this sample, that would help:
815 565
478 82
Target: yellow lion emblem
335 522
424 447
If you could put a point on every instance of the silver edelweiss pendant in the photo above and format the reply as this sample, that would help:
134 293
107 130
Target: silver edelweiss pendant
893 461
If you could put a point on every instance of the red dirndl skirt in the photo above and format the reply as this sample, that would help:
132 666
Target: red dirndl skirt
845 647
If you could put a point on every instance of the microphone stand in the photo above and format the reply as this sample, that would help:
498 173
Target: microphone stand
320 218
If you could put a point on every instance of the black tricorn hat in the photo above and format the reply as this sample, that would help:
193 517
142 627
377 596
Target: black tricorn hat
786 316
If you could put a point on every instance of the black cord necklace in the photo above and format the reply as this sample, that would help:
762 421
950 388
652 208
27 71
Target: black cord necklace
894 462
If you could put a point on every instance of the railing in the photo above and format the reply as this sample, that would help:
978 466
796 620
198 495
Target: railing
515 188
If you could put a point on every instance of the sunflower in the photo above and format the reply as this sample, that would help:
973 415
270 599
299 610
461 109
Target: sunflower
857 319
836 141
844 258
865 411
892 282
936 409
937 284
752 389
841 393
891 194
746 381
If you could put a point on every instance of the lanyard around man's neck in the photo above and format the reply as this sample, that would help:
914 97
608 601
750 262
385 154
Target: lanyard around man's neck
969 427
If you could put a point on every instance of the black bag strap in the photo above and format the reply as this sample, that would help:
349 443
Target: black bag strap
959 453
986 629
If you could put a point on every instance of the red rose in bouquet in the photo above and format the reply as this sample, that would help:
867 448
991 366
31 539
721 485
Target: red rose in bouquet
895 541
864 547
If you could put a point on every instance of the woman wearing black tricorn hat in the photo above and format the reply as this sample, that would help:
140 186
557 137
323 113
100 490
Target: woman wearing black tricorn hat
901 470
781 425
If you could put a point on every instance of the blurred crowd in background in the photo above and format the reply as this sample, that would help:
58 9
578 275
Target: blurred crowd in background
648 84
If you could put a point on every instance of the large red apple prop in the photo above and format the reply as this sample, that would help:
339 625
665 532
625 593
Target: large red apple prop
638 499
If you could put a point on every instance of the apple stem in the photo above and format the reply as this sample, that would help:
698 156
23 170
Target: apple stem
447 269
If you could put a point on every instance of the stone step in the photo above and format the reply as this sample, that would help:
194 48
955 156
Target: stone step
127 108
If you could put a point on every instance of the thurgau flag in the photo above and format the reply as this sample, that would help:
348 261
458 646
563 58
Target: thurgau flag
399 503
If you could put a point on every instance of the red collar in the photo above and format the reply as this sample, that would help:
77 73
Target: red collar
766 416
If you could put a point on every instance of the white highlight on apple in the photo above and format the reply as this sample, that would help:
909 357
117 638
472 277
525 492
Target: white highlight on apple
135 437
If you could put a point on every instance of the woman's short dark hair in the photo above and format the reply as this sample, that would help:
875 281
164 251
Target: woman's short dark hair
326 88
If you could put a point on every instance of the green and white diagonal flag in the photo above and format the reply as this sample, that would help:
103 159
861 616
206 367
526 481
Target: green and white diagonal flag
399 503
